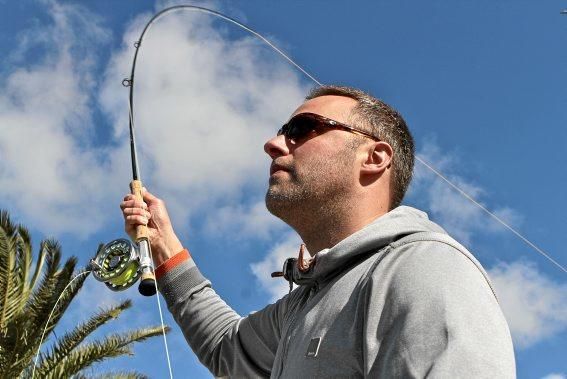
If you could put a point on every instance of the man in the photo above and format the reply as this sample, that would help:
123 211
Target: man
386 293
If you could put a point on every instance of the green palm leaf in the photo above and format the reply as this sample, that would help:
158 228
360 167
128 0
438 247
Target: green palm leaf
27 300
113 375
32 322
73 338
86 355
9 281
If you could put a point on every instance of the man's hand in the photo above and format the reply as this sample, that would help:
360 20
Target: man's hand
153 213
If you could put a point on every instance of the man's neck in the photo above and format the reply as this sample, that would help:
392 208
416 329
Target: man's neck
325 230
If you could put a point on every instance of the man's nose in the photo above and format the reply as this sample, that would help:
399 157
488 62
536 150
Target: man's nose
276 147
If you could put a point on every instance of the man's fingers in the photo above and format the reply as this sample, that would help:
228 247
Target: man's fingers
133 203
130 201
148 196
136 220
137 211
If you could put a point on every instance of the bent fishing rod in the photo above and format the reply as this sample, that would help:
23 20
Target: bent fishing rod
120 263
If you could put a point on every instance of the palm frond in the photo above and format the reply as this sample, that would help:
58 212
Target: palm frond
6 222
86 355
31 304
113 375
72 339
7 268
42 300
16 268
25 245
34 321
15 253
27 351
23 253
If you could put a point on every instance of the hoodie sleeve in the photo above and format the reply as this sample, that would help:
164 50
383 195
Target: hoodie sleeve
432 313
227 344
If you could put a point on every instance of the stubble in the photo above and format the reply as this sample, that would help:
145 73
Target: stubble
315 193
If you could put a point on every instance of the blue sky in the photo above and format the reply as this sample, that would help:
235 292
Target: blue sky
482 85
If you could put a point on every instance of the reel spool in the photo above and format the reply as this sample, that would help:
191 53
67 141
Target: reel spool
117 264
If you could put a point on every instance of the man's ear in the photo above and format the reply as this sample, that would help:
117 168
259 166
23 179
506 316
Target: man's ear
378 158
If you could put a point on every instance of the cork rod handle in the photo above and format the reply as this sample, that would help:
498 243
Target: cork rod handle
147 285
141 230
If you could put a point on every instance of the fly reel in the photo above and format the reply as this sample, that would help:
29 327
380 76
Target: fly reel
117 264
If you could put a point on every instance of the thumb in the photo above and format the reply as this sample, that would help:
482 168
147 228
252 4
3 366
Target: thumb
147 196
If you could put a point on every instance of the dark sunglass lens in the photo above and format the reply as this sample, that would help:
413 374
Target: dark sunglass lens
300 126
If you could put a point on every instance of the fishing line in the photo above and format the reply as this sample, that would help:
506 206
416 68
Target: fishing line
142 237
419 159
51 314
491 214
163 333
224 17
148 286
131 117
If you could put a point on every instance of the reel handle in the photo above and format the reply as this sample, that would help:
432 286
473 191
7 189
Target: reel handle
147 285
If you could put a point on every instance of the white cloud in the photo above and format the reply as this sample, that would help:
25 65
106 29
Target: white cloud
48 168
555 376
287 248
206 100
534 305
243 221
205 103
459 216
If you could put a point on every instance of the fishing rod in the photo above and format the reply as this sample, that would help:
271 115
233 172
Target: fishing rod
121 263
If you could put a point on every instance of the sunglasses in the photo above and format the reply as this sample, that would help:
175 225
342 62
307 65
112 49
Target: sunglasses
302 124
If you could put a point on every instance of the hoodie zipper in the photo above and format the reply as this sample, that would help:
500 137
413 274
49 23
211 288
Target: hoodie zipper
312 293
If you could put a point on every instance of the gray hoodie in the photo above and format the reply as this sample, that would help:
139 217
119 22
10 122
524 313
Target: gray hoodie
397 299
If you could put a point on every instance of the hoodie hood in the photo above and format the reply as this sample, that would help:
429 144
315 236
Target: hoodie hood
384 230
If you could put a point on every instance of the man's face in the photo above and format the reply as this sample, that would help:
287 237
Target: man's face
315 173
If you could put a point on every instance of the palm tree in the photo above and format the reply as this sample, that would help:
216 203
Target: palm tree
27 299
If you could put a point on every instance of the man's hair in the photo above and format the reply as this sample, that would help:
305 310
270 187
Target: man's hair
384 122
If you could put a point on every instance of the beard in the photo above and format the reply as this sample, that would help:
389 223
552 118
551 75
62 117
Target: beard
312 191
